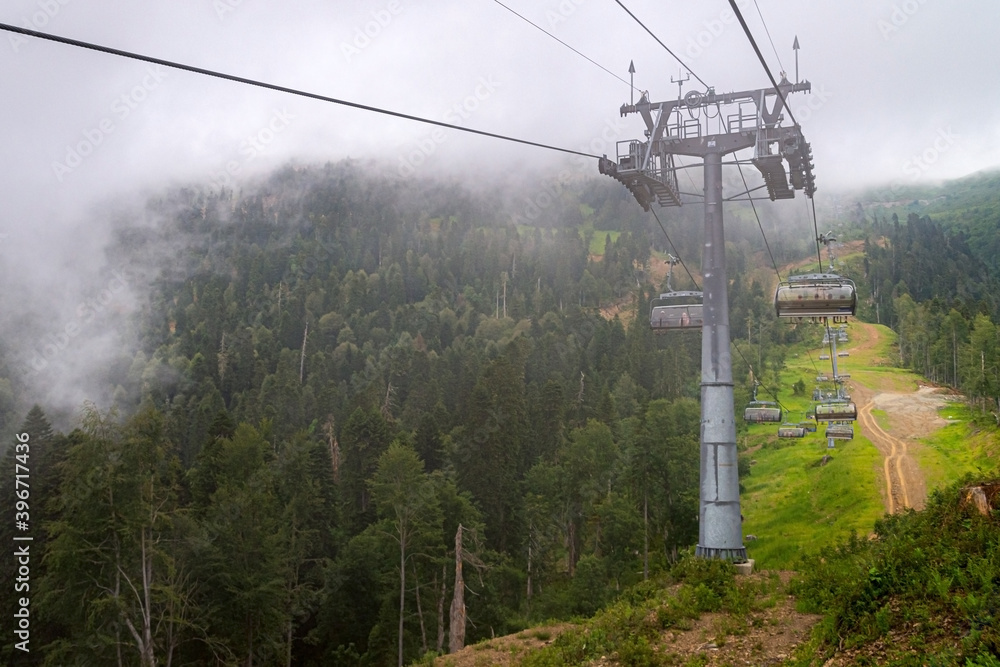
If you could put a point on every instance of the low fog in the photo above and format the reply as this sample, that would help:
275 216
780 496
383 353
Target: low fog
89 137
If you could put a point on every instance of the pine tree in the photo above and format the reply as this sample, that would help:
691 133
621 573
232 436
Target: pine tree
405 499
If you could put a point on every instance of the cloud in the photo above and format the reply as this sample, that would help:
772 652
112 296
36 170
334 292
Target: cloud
83 128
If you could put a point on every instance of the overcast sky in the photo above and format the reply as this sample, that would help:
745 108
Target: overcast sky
892 81
903 90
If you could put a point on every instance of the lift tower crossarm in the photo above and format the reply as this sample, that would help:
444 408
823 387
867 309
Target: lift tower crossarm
695 99
646 168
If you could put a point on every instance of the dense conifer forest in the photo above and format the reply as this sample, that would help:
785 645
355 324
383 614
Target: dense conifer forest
366 419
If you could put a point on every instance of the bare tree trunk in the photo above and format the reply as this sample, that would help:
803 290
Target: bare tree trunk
420 612
118 578
444 591
457 635
331 440
292 582
302 359
529 563
504 281
402 596
571 539
148 657
645 536
387 404
954 348
223 357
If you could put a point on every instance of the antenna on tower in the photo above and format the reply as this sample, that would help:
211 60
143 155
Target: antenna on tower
795 47
680 82
631 78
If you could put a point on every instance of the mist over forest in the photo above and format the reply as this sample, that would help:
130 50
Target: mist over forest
270 396
263 356
72 311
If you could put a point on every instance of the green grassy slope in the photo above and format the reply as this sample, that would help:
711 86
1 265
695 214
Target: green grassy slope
794 503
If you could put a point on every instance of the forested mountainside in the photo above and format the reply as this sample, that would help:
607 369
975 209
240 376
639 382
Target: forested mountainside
343 384
931 274
337 375
968 207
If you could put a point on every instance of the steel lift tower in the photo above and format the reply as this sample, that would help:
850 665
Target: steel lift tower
708 126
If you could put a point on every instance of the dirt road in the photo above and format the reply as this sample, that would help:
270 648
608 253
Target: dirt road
909 415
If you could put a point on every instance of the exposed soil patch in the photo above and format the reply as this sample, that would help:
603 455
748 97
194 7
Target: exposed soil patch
911 416
504 651
809 265
768 637
622 308
869 339
765 637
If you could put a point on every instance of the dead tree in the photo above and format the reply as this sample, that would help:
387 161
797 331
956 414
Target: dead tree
456 639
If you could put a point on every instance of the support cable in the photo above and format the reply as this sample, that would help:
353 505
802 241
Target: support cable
815 367
819 255
830 342
672 247
636 19
280 89
691 179
759 384
768 33
760 56
529 22
760 226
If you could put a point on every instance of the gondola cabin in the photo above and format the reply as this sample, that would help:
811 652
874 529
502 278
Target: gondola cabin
816 295
810 427
824 357
676 311
759 412
822 378
836 411
840 431
791 431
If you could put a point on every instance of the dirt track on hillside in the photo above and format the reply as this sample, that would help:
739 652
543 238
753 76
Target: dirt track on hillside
910 415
